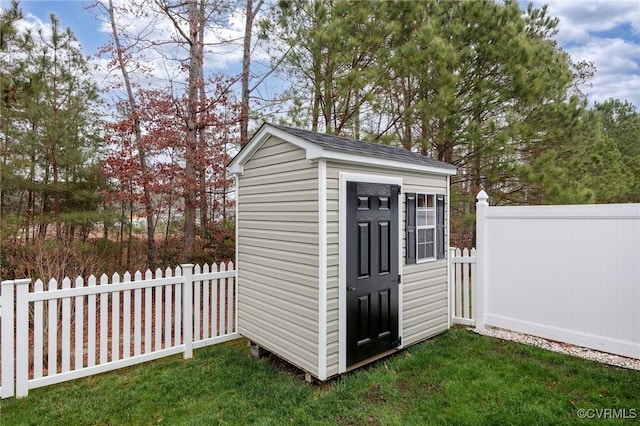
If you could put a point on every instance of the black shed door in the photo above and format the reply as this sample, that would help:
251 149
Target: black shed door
372 270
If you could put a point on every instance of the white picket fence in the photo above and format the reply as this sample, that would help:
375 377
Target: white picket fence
463 273
76 330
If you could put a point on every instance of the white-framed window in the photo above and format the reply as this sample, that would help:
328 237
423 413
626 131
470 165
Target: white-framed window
424 227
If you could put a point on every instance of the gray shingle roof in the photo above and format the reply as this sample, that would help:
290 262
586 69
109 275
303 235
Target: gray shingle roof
355 146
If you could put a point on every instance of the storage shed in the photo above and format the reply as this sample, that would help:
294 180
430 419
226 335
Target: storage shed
341 248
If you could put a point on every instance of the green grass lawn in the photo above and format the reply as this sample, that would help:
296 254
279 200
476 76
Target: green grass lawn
457 378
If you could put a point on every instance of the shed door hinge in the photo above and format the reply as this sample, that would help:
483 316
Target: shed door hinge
399 279
397 343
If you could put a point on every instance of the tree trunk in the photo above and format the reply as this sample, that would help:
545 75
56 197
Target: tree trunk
196 24
46 208
146 199
168 227
328 94
407 140
251 13
317 98
202 141
121 235
130 236
246 61
56 194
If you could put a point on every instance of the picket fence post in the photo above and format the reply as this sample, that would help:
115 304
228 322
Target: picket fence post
7 312
481 259
187 323
22 338
452 289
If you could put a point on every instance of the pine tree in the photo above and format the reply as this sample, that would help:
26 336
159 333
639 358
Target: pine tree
620 123
49 129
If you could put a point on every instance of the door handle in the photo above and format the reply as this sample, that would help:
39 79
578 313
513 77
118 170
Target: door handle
351 288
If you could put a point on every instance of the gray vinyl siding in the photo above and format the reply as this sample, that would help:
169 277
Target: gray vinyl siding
424 295
278 253
424 285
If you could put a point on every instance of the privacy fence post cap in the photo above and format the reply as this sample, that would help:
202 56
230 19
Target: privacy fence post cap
482 197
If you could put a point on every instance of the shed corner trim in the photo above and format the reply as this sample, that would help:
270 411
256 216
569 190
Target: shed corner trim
322 269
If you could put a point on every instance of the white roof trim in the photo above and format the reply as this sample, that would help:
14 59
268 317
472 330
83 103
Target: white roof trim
348 157
266 131
315 152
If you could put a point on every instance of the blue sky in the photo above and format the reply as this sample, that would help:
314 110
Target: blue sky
605 32
71 13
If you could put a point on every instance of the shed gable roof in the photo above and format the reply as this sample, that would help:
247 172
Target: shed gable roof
339 148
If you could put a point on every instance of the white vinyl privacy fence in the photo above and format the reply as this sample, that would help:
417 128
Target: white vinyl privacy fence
56 332
567 273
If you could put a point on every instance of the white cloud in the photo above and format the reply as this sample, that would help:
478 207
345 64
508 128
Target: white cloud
223 40
610 55
616 55
579 19
616 86
154 36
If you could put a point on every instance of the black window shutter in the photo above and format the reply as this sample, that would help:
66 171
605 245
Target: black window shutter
440 225
410 207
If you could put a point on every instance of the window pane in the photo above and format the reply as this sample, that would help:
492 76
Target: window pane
430 201
422 217
430 235
422 251
431 217
422 236
429 250
421 201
